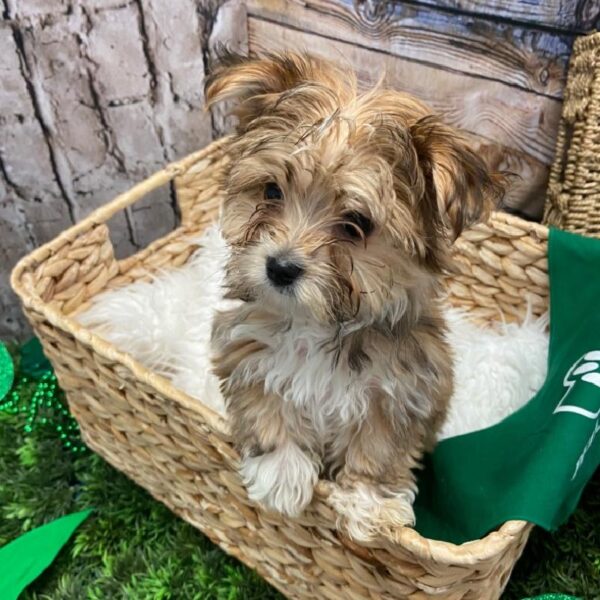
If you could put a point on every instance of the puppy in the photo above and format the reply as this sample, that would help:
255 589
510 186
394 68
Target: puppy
340 209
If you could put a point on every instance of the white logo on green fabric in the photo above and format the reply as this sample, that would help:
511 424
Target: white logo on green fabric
587 370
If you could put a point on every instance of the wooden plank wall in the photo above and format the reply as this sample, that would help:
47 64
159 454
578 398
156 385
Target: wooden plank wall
495 68
94 96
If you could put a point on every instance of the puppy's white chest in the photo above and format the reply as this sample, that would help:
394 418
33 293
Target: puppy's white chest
301 366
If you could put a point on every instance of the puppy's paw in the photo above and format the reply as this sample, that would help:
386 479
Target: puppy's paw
365 513
282 480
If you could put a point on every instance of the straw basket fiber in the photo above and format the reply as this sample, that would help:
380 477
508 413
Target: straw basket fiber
573 200
181 452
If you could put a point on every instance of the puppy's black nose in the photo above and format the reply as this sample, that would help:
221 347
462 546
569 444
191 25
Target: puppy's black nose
282 272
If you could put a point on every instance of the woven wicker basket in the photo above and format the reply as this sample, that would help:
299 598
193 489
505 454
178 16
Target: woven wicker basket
573 199
180 451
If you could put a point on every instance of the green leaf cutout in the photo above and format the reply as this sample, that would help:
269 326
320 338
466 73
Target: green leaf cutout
25 558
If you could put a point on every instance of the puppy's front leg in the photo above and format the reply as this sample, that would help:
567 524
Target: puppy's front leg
377 486
279 471
279 453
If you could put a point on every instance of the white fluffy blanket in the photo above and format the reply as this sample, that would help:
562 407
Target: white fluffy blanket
165 324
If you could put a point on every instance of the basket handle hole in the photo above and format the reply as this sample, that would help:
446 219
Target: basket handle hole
149 219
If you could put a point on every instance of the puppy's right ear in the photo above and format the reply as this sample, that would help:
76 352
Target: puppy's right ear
256 83
462 187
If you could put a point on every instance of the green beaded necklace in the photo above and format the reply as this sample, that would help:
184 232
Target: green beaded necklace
29 386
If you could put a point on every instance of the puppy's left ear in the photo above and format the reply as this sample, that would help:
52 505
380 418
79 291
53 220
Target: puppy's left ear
255 83
459 184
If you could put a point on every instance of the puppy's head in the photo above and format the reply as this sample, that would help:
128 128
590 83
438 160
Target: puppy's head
340 204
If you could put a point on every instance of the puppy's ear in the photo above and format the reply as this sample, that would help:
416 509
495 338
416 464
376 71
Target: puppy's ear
256 83
458 182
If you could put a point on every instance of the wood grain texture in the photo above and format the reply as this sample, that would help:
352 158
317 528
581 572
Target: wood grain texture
573 15
94 96
525 57
517 122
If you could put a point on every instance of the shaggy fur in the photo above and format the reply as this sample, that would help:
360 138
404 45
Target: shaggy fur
495 370
340 209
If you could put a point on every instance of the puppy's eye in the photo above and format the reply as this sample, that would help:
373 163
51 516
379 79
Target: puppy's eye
357 225
273 191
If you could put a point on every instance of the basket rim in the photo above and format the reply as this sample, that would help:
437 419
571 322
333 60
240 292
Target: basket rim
468 553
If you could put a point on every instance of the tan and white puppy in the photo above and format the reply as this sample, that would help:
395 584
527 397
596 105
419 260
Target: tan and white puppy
340 210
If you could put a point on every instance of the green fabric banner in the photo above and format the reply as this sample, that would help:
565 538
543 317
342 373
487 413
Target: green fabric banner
24 559
534 464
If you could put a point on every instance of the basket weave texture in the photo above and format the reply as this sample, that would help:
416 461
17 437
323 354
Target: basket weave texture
181 452
573 199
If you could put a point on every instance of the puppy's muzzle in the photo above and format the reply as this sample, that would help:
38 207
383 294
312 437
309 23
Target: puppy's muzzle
282 272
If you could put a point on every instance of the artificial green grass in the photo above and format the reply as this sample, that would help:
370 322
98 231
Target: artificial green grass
133 547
